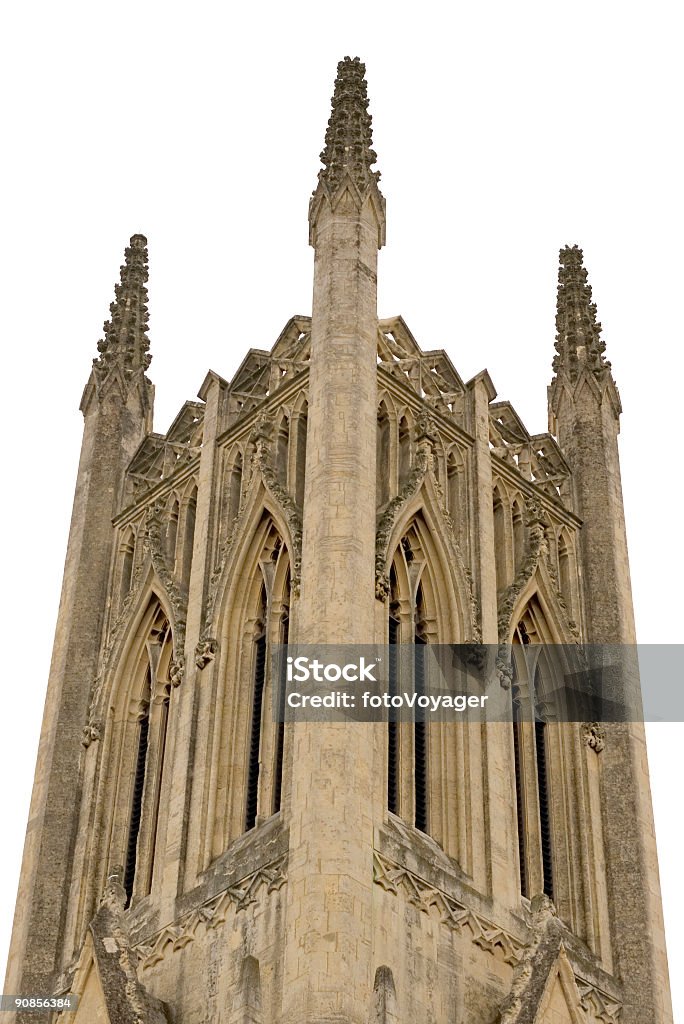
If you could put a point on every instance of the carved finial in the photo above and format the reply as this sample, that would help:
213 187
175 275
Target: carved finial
125 341
349 139
578 338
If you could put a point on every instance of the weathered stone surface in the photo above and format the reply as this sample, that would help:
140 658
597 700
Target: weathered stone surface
345 486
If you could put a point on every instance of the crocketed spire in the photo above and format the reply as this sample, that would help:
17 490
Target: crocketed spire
125 343
348 138
578 338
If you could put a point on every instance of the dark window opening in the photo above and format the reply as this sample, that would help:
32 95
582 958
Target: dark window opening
255 739
136 804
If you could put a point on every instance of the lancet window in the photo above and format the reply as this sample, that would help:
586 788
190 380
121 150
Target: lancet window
144 745
408 753
244 777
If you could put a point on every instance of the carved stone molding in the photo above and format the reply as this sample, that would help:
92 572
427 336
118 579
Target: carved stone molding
597 1003
475 618
421 894
213 912
425 438
177 596
263 462
537 523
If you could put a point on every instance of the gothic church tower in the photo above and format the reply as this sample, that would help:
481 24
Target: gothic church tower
189 859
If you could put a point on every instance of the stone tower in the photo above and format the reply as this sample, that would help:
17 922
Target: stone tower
191 859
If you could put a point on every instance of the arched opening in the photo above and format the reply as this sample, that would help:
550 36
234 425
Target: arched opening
147 750
259 679
420 732
300 454
172 533
411 623
566 573
127 554
235 487
404 452
280 725
454 470
500 542
383 458
138 787
281 451
531 755
189 534
239 765
393 726
518 536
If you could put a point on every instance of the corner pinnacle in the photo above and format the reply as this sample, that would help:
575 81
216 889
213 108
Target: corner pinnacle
578 338
125 342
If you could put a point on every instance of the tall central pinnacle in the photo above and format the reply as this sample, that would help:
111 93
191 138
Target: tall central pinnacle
348 138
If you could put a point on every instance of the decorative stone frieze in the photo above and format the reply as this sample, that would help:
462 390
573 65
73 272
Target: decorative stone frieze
213 912
399 881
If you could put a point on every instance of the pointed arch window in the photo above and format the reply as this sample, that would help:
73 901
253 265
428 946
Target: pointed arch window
246 784
408 753
531 767
257 705
420 730
280 727
138 789
392 726
149 755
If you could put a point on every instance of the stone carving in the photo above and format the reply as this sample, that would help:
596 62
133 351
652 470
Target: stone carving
205 651
594 736
91 733
601 1006
214 911
398 880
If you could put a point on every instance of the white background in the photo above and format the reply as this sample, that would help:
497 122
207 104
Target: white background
503 131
